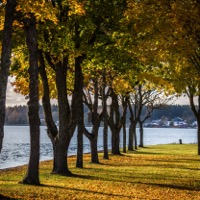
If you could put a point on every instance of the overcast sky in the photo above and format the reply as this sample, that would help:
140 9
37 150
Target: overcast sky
12 98
17 99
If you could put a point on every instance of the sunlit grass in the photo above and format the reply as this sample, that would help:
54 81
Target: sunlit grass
155 172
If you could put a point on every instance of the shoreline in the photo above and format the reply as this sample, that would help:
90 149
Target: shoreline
16 147
48 160
87 153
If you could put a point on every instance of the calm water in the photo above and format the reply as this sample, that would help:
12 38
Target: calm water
17 142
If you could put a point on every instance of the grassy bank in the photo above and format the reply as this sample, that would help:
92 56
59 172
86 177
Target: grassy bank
155 172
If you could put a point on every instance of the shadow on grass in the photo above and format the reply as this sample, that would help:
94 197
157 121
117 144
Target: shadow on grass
130 179
140 151
112 179
149 152
5 198
78 176
179 187
90 192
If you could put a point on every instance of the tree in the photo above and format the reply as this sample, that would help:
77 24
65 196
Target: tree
5 61
105 116
196 111
78 95
115 122
58 60
93 93
124 102
32 176
151 99
52 130
135 111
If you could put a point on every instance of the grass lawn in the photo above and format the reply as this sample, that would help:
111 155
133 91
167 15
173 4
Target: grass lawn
155 172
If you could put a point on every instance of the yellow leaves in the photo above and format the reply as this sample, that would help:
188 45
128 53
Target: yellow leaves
18 24
42 9
2 17
21 86
86 79
1 22
167 34
156 82
76 7
121 86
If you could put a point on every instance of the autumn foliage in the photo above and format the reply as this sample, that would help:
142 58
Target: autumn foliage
118 45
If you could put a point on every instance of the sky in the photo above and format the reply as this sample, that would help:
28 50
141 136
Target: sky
13 98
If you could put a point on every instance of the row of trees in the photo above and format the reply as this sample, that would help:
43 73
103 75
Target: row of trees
133 54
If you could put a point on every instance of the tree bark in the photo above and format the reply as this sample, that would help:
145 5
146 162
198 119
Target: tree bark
115 142
52 130
135 137
105 139
124 137
78 94
198 136
131 141
115 123
105 118
196 112
124 104
135 111
79 158
141 134
63 139
32 176
96 119
5 62
94 150
116 120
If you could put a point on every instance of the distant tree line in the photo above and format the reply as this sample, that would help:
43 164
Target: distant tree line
17 115
182 111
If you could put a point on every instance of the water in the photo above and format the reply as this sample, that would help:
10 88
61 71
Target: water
16 144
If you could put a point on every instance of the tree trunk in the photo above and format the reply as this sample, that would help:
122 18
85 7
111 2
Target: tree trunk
198 137
124 104
131 141
124 137
135 137
115 123
78 109
5 62
93 138
115 142
196 112
96 120
79 160
32 176
105 139
61 149
105 118
63 139
141 135
52 130
94 149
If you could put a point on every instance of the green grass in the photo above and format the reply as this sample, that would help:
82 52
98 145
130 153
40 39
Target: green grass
155 172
